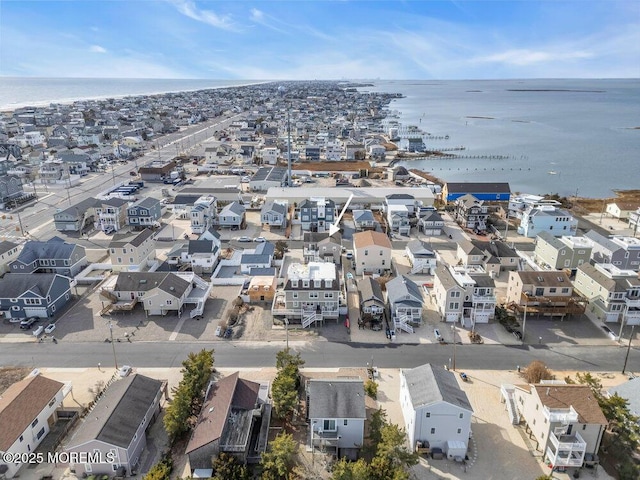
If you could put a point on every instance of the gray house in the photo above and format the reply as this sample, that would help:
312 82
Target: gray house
274 214
37 295
77 217
371 301
234 419
622 252
12 192
52 256
144 213
405 300
364 220
321 247
317 214
430 222
562 252
231 215
336 412
116 427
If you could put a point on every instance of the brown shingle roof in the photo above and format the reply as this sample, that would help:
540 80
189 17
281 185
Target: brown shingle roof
20 405
230 391
580 397
365 239
553 278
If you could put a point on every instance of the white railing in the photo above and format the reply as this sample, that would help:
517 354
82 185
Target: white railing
561 415
512 410
308 318
401 323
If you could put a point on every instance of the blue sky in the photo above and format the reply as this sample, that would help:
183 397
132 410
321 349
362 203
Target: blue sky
268 39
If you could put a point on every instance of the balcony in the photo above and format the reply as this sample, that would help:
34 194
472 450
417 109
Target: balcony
566 450
476 299
632 302
560 415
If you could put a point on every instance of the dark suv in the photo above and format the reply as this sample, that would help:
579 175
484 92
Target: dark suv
28 323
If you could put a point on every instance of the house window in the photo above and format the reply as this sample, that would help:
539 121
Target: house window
313 295
537 406
380 252
534 421
433 430
329 425
428 414
459 430
565 290
345 422
461 415
542 435
296 304
40 433
35 422
295 294
22 436
305 283
552 290
169 302
383 262
328 294
584 427
366 252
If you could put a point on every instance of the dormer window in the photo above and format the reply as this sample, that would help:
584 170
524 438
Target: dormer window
305 283
294 283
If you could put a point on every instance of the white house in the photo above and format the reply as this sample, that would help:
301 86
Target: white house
336 412
27 411
548 218
565 421
436 411
371 252
421 257
203 213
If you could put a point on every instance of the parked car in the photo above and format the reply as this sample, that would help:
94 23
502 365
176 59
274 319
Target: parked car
517 334
350 275
109 230
244 238
218 331
228 333
28 323
349 255
124 370
260 239
50 328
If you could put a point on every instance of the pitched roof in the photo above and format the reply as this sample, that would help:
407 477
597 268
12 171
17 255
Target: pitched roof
6 245
21 403
54 248
551 240
401 286
234 207
80 207
580 397
547 278
603 241
119 412
231 391
444 276
369 290
371 238
275 207
146 281
14 285
134 238
200 246
336 398
429 384
419 249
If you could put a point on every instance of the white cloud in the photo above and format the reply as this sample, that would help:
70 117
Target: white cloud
97 49
257 15
189 9
524 57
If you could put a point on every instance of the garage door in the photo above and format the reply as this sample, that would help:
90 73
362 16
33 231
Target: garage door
35 312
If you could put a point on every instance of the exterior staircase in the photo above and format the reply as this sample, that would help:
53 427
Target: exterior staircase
402 323
108 294
512 410
309 317
418 267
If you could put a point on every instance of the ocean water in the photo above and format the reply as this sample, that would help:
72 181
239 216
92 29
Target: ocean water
20 92
586 131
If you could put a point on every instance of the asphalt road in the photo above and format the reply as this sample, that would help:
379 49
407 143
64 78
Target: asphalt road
319 354
37 218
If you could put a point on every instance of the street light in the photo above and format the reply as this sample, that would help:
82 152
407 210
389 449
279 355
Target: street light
524 320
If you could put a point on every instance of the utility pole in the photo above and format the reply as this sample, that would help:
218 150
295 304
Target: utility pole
289 146
453 327
624 367
113 345
524 321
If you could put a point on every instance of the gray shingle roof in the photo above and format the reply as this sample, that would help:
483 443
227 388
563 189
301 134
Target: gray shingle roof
419 249
551 240
429 384
54 248
146 281
81 206
233 207
445 277
119 412
274 207
602 241
370 290
401 286
336 398
6 245
200 246
135 238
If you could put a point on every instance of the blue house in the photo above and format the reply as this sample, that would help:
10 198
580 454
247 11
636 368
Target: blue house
37 295
53 256
144 213
489 192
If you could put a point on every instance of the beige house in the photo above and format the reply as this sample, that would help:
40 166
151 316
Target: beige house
132 252
565 421
262 288
548 293
621 210
371 252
